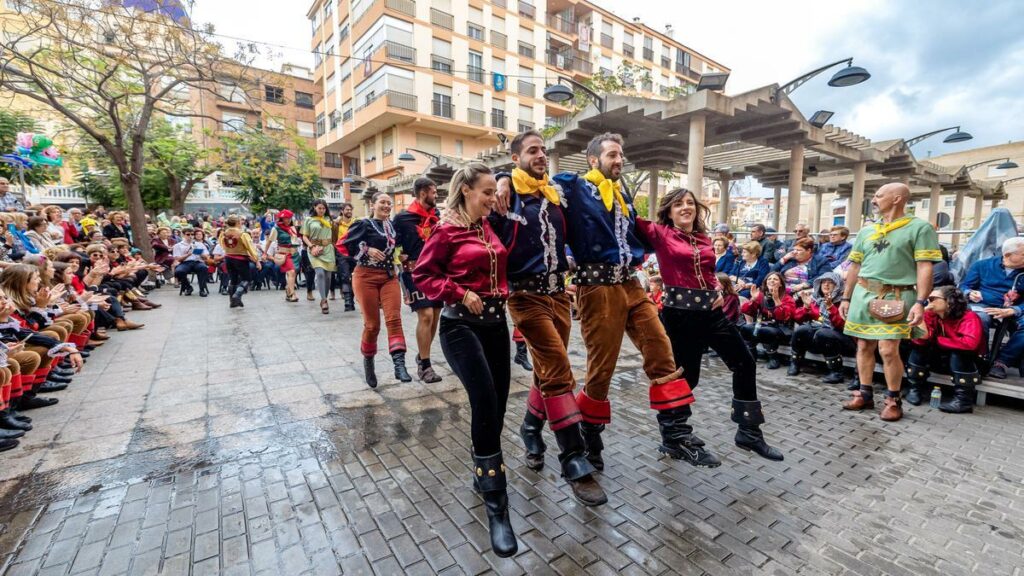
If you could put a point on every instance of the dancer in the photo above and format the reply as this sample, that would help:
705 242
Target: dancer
346 264
533 231
890 262
286 237
372 241
412 228
463 264
319 235
238 252
694 317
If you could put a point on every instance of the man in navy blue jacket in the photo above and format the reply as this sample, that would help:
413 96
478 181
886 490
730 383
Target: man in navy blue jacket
992 286
837 248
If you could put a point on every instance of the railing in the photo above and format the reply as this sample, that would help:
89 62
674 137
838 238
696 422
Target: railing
561 24
499 40
347 115
407 7
666 62
475 74
525 126
442 108
401 52
394 100
329 164
527 50
527 10
498 119
441 64
607 41
627 49
649 54
475 31
476 117
569 61
527 88
442 19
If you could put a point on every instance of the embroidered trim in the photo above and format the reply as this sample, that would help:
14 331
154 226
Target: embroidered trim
899 329
927 255
548 238
61 350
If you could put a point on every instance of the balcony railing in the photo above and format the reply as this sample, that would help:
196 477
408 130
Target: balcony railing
332 164
476 117
475 31
561 24
649 54
441 64
498 119
442 108
567 60
666 62
607 41
475 74
527 50
527 10
442 19
347 115
525 126
499 40
407 7
394 99
401 52
527 88
627 49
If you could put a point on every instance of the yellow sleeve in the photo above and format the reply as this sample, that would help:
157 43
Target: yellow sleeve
249 248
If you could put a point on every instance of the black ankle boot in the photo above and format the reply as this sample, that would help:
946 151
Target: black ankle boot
350 301
489 472
679 442
917 384
749 436
592 438
835 371
30 402
576 469
530 432
773 358
523 356
794 364
9 421
369 371
8 445
963 393
400 372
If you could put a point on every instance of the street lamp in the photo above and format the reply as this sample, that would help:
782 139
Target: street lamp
849 76
560 93
820 118
715 81
957 136
408 157
1006 165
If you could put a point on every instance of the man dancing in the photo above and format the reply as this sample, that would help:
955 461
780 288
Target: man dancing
533 230
412 228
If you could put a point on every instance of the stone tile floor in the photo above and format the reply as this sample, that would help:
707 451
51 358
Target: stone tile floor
244 442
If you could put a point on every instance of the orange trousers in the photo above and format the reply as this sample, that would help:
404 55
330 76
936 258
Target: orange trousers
376 291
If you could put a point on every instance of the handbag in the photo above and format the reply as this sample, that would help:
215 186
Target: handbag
888 311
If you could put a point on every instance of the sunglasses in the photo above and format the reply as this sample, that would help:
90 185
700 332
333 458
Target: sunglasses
934 298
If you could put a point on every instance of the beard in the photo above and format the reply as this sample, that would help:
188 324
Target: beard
528 168
606 170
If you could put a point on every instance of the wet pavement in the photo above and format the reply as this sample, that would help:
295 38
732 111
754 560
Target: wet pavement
244 442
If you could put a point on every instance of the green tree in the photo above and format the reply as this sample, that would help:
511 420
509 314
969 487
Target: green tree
268 174
10 124
180 163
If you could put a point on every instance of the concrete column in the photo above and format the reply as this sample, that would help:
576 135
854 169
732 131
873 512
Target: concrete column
796 182
652 194
816 214
979 207
723 205
695 158
958 217
933 204
777 208
995 203
854 212
552 164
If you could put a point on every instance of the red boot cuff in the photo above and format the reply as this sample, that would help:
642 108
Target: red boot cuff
396 344
672 394
562 411
594 411
368 349
535 403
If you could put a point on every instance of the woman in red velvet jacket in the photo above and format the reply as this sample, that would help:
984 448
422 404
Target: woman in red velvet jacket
820 328
772 310
954 331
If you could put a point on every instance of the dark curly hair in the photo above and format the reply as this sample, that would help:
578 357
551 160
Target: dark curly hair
956 302
700 218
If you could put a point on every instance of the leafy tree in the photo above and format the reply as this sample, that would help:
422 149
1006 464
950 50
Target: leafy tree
10 124
180 161
269 174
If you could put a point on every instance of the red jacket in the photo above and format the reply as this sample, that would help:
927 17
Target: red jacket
812 313
71 233
962 334
783 312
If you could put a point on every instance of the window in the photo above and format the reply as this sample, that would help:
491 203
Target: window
459 148
497 65
387 141
304 100
306 129
314 20
317 55
328 9
329 46
332 160
343 33
475 70
949 202
321 124
335 118
232 122
474 31
370 150
346 69
648 48
274 123
428 143
441 58
442 103
476 24
274 94
183 123
498 114
331 84
525 118
232 93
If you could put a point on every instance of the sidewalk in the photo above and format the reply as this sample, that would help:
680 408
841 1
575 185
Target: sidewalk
209 443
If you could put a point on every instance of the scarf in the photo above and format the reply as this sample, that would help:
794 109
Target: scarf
609 190
323 221
428 222
881 229
526 184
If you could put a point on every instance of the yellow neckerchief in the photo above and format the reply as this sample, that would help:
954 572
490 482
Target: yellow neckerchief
609 190
323 221
526 184
881 229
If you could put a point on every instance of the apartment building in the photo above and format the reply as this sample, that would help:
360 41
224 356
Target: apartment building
448 77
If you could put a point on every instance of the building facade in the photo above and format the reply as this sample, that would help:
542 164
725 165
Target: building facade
453 77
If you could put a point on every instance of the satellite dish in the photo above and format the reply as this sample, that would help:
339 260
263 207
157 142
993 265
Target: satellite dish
943 220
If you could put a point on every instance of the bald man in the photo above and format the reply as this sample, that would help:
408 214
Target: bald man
890 261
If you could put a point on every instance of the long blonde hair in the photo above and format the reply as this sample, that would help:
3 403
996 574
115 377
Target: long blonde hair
455 206
14 282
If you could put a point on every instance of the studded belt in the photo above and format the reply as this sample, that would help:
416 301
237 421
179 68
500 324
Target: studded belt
602 274
549 283
493 312
688 298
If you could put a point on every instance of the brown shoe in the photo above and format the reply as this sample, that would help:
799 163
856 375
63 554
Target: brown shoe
99 336
140 306
893 409
859 402
588 491
123 325
151 304
96 343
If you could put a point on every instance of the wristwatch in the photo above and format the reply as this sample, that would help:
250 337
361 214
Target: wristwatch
923 302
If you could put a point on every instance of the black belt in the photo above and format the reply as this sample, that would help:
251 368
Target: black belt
688 298
493 312
602 274
548 283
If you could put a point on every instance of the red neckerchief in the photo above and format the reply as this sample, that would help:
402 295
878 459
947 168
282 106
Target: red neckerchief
428 219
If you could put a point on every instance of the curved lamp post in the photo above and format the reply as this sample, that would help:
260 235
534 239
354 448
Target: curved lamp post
560 93
1006 165
408 157
849 76
957 136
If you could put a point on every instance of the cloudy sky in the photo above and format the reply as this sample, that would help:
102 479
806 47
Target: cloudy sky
933 65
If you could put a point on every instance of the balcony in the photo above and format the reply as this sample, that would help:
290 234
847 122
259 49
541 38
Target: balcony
627 49
394 99
527 50
499 40
407 7
347 115
442 19
649 54
561 24
525 126
498 119
570 60
607 41
475 31
476 117
441 64
400 52
527 89
442 108
666 62
527 10
475 74
328 163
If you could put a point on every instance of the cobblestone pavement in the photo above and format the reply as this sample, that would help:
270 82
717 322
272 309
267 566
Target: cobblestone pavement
206 443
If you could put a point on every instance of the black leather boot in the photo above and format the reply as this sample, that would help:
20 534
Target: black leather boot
8 434
350 300
530 432
963 393
794 364
236 296
749 436
30 401
400 372
679 441
10 421
835 370
489 472
917 384
369 371
8 445
773 357
523 356
854 383
576 469
51 386
233 295
592 437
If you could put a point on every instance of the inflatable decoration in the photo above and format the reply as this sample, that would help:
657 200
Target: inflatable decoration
37 149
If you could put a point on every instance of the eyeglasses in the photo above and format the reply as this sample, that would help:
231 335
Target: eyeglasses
934 298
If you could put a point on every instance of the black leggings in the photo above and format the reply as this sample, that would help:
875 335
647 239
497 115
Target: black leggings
945 361
690 331
479 355
820 340
770 336
238 271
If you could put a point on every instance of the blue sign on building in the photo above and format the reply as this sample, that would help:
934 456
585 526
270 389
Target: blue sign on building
499 82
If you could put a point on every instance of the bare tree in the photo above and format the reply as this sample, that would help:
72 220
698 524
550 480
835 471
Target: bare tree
108 70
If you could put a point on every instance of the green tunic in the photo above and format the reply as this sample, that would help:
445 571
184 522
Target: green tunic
321 235
889 258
